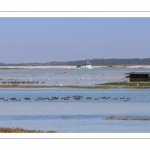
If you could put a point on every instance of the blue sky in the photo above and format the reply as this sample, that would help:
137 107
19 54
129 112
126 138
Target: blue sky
25 40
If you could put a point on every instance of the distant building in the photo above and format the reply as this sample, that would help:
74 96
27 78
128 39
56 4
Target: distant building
138 76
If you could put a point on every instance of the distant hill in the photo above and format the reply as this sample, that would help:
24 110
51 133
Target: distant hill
94 62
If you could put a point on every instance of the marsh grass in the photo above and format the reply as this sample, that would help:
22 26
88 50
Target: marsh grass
21 130
128 83
79 87
128 118
137 85
110 85
111 118
125 118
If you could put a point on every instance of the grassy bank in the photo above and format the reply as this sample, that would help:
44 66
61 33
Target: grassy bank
138 85
20 130
80 87
128 83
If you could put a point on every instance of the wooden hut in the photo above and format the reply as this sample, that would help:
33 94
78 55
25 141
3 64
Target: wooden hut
138 76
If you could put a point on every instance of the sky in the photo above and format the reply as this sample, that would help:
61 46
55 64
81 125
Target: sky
29 40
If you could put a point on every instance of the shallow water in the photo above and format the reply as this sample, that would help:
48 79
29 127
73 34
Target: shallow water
84 115
66 76
87 95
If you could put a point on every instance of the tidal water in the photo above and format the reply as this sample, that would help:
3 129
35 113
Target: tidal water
72 110
57 77
75 110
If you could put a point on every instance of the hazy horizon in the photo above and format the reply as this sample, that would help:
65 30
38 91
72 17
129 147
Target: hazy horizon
41 40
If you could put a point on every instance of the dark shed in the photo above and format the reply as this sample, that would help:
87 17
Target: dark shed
138 76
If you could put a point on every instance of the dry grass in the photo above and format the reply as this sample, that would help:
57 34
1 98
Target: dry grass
20 130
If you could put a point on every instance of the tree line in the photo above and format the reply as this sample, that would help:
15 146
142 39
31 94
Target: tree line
94 62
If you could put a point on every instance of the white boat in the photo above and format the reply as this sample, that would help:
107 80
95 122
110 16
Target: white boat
88 66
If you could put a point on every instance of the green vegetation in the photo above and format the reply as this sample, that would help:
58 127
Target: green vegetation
20 130
111 62
128 83
138 85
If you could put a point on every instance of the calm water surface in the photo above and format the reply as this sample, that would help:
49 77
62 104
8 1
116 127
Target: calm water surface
87 114
67 114
66 76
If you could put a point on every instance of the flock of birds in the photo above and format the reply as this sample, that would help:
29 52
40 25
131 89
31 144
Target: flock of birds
22 82
76 97
37 81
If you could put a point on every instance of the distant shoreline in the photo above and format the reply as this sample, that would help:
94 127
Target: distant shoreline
110 85
74 67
